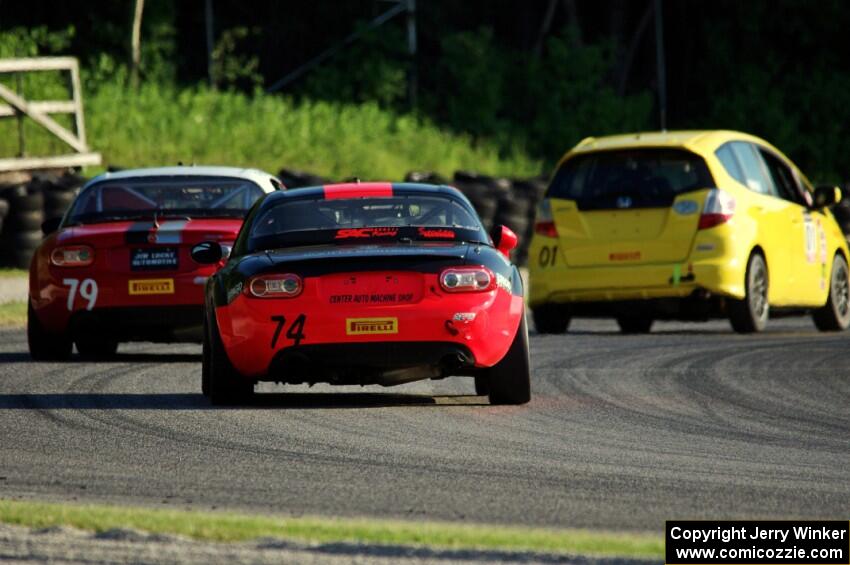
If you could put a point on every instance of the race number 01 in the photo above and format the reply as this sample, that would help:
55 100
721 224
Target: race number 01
547 256
87 289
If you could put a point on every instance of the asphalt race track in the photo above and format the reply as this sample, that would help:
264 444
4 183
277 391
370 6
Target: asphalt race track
623 432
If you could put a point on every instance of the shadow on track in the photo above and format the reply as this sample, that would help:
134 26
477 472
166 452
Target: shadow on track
23 357
189 401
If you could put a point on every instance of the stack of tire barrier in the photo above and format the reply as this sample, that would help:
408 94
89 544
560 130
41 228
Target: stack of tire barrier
298 179
427 177
29 205
482 192
531 191
502 201
4 211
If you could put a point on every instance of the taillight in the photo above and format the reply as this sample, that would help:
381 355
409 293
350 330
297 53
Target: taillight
467 279
275 286
546 228
72 256
719 209
544 224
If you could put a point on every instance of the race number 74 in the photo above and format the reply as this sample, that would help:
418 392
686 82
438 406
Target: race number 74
87 289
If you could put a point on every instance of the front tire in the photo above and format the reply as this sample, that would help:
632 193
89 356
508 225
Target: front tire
550 318
750 314
225 385
509 380
834 316
43 345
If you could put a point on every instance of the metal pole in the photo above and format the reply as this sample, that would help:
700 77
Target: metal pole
659 61
208 17
412 77
136 43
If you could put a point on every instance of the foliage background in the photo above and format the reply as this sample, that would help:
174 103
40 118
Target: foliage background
499 90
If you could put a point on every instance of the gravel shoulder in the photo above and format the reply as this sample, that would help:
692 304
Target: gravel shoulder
68 545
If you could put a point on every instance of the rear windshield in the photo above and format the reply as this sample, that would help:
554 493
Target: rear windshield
142 198
634 178
411 217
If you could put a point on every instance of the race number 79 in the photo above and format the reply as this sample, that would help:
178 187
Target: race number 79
87 290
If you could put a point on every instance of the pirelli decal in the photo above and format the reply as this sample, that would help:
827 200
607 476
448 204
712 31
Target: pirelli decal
371 326
151 286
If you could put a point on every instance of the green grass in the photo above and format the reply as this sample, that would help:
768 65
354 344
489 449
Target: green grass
13 273
161 125
224 527
13 314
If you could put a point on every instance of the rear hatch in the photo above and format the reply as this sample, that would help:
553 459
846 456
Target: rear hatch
145 247
625 207
376 275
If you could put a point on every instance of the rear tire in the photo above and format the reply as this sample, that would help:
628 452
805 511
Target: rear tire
834 316
635 324
226 386
750 314
550 318
96 350
205 361
482 385
509 380
43 345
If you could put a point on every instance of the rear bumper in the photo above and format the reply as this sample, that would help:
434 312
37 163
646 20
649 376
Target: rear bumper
477 328
370 363
721 276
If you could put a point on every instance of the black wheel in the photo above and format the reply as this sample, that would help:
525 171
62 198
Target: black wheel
550 318
509 380
482 385
225 385
96 350
43 345
635 324
834 316
750 314
205 361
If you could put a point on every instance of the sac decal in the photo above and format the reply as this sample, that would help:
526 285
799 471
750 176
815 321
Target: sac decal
350 233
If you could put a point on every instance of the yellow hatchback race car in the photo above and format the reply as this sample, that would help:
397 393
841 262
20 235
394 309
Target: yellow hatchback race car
687 225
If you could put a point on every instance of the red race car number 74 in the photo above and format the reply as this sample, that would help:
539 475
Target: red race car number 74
295 331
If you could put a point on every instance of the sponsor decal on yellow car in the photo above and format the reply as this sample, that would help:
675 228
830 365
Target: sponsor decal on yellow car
152 286
371 326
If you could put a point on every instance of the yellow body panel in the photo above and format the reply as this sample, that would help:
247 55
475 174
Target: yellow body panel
609 255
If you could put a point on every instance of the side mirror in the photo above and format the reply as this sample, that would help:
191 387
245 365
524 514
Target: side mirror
826 196
504 239
207 253
51 225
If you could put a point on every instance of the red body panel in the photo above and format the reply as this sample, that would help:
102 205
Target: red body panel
111 272
359 190
422 310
